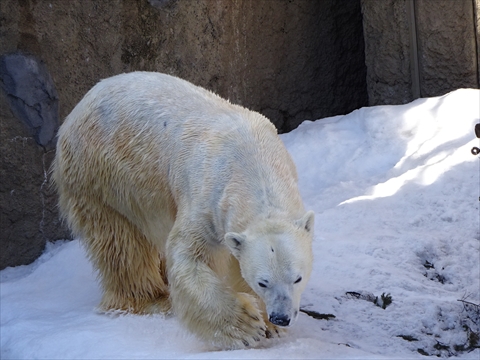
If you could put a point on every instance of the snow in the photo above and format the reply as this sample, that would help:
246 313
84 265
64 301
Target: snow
395 190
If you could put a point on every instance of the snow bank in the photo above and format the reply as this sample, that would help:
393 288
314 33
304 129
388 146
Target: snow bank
395 190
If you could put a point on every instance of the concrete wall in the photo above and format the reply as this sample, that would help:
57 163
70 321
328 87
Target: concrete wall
420 48
290 60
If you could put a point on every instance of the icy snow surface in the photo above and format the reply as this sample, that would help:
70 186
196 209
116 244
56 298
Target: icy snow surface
394 189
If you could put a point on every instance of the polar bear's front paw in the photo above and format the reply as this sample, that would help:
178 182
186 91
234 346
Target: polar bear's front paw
246 327
274 331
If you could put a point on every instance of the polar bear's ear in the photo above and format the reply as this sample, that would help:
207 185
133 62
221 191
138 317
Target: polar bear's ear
307 221
234 242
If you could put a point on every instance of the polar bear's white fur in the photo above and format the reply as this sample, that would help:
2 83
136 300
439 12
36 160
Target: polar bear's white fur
185 201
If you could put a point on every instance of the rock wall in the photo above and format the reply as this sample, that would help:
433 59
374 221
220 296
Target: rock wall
290 60
420 48
29 120
387 51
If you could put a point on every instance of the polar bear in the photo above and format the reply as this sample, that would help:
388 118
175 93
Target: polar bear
185 203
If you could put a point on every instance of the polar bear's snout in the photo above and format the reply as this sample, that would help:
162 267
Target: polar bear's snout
282 310
279 319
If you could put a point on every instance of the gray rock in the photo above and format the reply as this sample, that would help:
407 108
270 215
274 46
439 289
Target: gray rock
162 4
31 94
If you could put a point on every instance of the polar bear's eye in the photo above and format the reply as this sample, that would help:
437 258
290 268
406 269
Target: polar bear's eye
262 285
298 280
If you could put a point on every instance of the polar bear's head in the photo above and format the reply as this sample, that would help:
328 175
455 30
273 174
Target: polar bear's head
275 259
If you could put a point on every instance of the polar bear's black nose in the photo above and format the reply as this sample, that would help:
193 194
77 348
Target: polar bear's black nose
280 320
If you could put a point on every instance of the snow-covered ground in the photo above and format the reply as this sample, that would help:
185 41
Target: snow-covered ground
395 190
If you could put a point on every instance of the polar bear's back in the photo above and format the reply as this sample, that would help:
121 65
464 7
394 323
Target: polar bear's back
165 106
153 97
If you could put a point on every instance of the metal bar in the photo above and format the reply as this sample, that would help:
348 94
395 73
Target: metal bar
414 65
476 32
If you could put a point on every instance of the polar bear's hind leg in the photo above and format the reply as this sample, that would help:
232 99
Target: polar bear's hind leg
131 269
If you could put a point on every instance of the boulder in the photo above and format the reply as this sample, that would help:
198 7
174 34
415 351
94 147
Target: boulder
31 95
